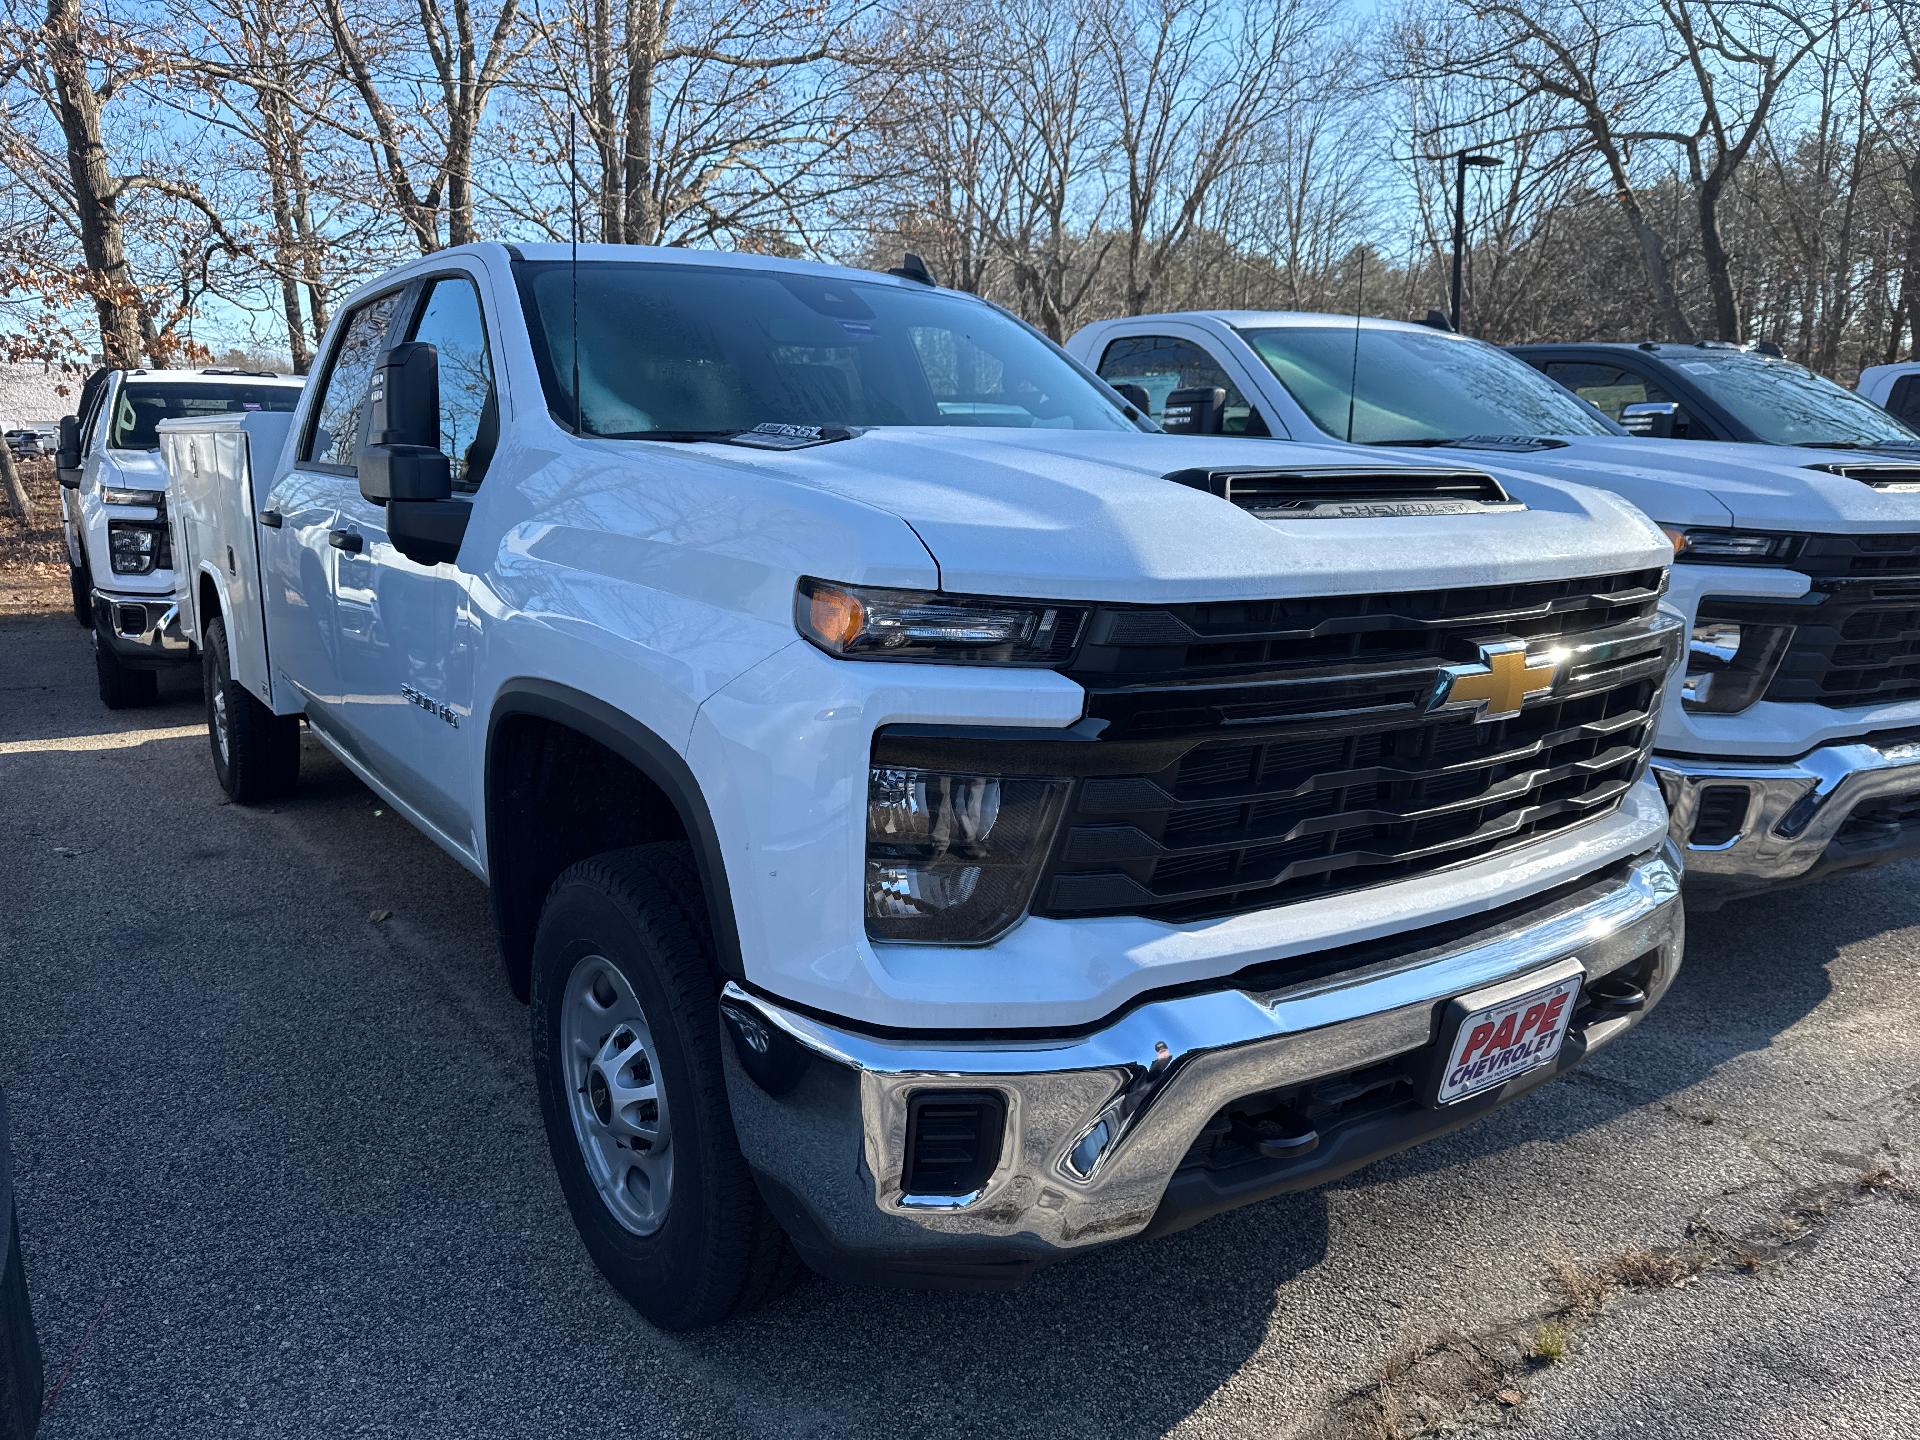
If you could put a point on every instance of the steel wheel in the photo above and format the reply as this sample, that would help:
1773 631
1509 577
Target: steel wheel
616 1100
219 718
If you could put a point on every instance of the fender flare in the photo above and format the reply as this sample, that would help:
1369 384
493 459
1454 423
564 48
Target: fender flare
654 758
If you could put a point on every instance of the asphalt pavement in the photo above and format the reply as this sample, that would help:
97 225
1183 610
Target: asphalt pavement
281 1173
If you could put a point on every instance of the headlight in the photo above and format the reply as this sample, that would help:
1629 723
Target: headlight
860 623
1730 662
952 858
137 547
1730 547
110 495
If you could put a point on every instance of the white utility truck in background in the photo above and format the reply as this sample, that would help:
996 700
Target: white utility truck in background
113 510
941 825
1788 750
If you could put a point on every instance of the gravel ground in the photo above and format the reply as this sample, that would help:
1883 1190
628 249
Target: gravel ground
282 1173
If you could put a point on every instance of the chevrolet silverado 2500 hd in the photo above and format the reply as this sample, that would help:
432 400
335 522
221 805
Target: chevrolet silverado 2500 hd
1788 750
113 505
941 825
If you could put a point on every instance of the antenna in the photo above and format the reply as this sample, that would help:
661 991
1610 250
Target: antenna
573 263
1353 377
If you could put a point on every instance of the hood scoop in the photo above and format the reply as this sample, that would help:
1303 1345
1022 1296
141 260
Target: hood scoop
1893 477
1342 493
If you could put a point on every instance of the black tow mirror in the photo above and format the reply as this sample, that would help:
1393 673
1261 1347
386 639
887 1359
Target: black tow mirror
400 455
66 454
1194 412
1136 396
1656 419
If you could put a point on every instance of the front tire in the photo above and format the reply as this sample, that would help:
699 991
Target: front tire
121 686
626 1048
256 753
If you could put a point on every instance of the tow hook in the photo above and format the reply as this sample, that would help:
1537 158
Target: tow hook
1615 996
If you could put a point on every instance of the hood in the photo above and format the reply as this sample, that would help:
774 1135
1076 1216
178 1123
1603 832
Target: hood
1723 483
1073 515
135 469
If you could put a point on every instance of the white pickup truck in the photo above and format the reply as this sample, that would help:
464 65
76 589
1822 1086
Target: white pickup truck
940 824
113 511
1789 749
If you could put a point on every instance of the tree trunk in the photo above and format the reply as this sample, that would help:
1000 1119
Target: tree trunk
115 297
1726 309
10 481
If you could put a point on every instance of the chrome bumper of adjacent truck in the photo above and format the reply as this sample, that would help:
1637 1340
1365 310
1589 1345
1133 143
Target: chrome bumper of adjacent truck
1754 825
1105 1134
143 630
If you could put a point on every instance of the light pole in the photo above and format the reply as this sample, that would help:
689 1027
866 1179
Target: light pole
1461 160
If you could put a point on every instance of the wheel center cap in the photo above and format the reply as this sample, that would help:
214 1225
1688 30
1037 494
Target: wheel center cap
599 1097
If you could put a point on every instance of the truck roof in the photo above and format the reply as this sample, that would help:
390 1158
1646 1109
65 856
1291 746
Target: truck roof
549 251
1274 319
218 374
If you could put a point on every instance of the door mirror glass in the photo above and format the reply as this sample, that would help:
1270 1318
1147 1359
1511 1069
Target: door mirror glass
400 456
1658 419
67 454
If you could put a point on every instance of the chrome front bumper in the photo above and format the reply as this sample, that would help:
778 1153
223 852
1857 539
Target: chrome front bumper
1099 1126
143 630
1751 826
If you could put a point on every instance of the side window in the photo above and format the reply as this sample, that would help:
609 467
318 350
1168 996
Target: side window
335 435
1903 401
1607 388
469 419
1160 365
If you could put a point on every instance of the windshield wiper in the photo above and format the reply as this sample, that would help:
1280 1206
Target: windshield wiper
1860 444
1476 442
672 437
760 437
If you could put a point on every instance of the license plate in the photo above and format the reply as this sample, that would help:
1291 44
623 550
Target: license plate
1493 1044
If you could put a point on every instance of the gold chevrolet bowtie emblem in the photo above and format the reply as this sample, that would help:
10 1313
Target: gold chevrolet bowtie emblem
1502 681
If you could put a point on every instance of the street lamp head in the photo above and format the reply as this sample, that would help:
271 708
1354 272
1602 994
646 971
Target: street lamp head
1487 162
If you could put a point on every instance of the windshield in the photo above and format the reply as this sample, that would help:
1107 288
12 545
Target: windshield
1414 385
143 404
684 351
1787 404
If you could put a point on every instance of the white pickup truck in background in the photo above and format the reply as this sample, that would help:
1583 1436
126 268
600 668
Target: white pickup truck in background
113 507
1788 751
940 824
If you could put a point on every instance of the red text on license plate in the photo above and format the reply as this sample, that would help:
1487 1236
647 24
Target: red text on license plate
1508 1039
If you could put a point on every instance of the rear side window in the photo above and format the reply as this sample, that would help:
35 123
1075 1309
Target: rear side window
1608 388
335 435
142 404
1161 364
1903 401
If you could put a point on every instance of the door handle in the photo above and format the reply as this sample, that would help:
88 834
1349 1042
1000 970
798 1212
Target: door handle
350 541
271 519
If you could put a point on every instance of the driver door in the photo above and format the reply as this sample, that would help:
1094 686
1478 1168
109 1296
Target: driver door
405 631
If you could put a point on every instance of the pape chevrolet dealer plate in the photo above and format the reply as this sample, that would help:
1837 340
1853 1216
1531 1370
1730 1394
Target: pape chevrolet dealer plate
1503 1034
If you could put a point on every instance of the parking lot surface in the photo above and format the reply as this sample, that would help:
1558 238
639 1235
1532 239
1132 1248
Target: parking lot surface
282 1174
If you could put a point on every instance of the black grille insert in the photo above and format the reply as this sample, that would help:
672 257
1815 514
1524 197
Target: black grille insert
953 1140
1280 750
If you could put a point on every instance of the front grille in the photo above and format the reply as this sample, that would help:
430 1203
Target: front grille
1856 637
1272 751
